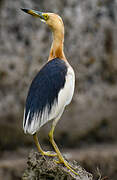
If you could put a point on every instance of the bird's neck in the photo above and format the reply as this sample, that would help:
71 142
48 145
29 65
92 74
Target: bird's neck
57 46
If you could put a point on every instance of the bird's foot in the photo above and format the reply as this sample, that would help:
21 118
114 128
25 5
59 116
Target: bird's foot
60 162
68 166
48 153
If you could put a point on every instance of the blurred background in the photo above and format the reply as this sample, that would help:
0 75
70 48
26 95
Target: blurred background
87 130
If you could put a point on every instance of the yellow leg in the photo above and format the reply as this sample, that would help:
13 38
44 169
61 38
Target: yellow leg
39 147
60 157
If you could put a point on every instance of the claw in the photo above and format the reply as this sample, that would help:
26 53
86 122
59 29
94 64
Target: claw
48 153
57 162
68 166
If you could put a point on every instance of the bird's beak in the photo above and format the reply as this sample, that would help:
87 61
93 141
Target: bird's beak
34 13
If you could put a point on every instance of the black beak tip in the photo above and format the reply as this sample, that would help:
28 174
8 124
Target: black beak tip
25 10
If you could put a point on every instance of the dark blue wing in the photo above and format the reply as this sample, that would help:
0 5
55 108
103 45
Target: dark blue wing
45 88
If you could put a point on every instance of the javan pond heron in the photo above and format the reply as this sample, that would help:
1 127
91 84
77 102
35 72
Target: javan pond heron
52 88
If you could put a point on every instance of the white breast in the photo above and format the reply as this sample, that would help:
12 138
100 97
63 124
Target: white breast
65 94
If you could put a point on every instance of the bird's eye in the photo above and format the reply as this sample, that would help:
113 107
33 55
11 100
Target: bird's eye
45 17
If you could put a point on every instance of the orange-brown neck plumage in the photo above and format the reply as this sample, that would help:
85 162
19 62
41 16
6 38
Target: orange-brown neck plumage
56 50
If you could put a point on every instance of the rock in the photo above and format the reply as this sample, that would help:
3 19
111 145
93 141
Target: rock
45 168
90 46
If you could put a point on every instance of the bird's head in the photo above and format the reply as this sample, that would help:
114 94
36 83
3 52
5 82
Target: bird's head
53 20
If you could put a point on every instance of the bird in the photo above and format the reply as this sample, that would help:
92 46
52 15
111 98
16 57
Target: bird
52 89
